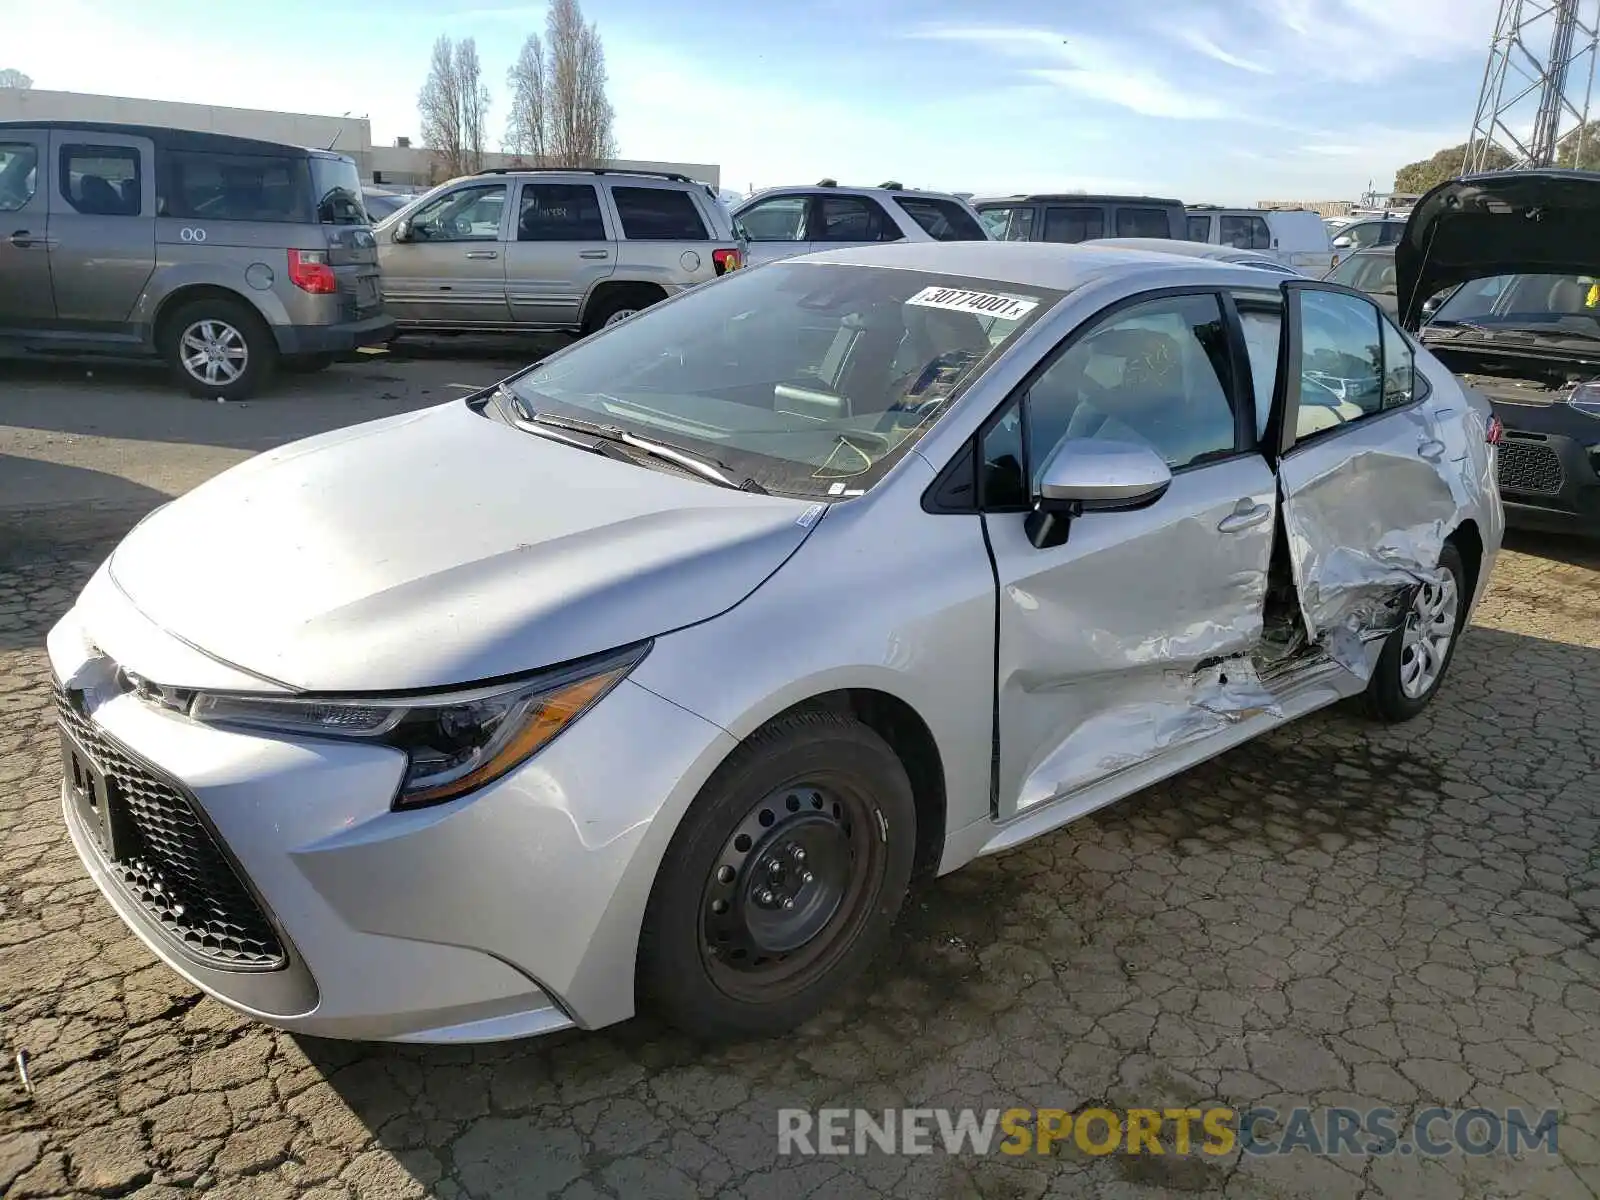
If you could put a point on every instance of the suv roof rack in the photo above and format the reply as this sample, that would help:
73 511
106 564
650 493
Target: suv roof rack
675 176
827 183
893 185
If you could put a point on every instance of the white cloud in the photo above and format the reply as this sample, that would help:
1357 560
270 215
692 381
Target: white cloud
1361 41
1196 40
1095 68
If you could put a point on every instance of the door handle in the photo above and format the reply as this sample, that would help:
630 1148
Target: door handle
1432 449
1245 516
594 254
483 254
24 240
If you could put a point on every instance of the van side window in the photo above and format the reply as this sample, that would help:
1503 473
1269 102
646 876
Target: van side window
19 174
1246 233
101 181
1079 223
199 186
1143 223
1199 229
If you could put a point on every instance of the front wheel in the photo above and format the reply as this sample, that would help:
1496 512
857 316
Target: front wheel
1417 655
783 880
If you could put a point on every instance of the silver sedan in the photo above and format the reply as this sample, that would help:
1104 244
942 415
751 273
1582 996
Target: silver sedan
653 674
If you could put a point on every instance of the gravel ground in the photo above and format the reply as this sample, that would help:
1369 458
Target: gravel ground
1338 914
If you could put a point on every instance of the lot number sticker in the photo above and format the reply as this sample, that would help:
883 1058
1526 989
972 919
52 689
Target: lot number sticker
983 304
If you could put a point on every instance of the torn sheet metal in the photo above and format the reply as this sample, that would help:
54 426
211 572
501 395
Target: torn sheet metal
1367 515
1172 709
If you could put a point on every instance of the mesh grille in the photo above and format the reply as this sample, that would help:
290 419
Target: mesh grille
1529 467
172 865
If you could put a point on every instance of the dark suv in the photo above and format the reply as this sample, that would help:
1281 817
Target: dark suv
1071 218
226 256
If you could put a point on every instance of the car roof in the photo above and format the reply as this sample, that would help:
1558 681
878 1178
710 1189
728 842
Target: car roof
1179 246
180 139
1074 198
1056 265
844 189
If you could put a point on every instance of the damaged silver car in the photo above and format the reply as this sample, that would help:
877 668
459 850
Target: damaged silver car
652 674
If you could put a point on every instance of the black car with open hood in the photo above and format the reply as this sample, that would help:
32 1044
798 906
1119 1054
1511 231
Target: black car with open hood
1518 254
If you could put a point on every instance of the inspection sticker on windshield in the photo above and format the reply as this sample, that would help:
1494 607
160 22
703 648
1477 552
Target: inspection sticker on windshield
983 304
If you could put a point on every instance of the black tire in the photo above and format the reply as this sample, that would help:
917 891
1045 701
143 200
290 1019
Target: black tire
617 303
307 364
245 328
788 784
1387 697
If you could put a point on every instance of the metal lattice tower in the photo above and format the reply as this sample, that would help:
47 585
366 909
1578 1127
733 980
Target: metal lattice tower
1537 82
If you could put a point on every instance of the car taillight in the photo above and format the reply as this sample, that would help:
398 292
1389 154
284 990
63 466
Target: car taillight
726 260
309 271
1496 432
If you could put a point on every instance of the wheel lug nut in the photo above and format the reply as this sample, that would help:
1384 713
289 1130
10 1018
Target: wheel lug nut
763 897
774 867
788 902
805 877
798 854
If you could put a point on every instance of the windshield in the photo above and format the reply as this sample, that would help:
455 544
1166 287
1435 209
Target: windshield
337 187
1565 304
812 380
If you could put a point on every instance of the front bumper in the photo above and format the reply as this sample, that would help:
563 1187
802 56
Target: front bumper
511 912
1549 482
295 340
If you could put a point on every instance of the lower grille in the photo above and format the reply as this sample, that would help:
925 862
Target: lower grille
1529 467
172 865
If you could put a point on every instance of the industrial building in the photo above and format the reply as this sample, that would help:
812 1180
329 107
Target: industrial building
401 166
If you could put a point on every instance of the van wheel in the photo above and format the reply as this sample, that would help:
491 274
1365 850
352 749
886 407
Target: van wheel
219 349
1417 655
619 305
782 881
306 364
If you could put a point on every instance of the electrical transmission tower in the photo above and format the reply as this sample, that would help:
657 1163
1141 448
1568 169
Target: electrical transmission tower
1536 84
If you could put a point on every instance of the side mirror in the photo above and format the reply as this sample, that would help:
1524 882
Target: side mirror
402 230
1341 243
1090 475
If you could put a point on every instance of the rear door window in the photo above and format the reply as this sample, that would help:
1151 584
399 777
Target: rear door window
942 220
779 219
1074 223
1143 223
1246 233
658 215
101 181
560 212
19 174
1199 229
853 219
233 187
1009 224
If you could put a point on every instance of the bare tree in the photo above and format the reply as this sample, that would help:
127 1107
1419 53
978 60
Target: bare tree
453 106
559 112
527 132
474 103
10 77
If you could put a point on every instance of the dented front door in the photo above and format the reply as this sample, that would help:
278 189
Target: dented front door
1370 473
1109 645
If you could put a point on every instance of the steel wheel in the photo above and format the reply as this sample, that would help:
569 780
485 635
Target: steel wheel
786 887
1425 643
214 352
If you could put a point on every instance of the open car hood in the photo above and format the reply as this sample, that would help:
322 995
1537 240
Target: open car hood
1542 222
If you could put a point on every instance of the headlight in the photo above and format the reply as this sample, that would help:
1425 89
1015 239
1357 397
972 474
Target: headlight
454 742
1586 399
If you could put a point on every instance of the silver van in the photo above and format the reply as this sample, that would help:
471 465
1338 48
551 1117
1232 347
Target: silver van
227 257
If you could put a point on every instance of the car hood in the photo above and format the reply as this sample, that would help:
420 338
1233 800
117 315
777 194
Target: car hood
439 548
1504 223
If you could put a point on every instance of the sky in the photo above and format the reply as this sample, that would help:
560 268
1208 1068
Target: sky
1211 101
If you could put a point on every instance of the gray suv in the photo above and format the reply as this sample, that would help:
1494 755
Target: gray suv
1073 217
524 250
228 257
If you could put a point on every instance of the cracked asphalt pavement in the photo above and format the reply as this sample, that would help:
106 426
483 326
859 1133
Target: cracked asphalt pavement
1337 915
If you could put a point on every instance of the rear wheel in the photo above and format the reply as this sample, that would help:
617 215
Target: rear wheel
619 305
219 348
782 881
1417 655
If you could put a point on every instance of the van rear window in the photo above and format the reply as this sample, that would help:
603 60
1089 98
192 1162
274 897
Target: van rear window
198 186
1143 223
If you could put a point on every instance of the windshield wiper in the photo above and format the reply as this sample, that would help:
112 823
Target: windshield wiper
705 468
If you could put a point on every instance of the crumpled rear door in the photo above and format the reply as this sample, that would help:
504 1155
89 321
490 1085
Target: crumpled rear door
1369 493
